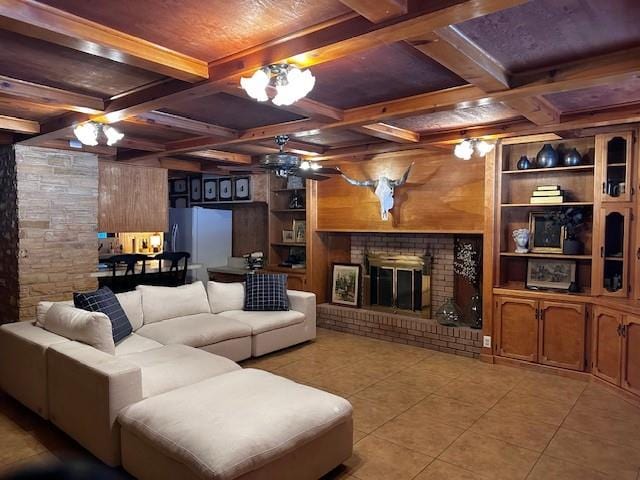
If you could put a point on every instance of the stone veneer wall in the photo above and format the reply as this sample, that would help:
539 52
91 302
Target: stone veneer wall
404 329
440 247
8 236
57 193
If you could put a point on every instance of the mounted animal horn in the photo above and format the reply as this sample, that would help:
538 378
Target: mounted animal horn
383 187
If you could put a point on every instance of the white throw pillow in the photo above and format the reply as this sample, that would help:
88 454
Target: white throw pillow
43 308
225 296
131 303
92 328
163 303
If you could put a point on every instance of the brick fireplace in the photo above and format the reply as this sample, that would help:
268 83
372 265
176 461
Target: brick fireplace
401 326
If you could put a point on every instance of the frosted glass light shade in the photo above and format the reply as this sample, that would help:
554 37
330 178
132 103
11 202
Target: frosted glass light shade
483 147
113 135
87 133
256 85
464 150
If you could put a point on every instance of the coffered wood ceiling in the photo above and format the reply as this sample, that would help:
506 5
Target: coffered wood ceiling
391 75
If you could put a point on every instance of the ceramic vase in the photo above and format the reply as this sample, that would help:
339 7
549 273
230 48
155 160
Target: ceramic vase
547 157
572 158
521 238
524 163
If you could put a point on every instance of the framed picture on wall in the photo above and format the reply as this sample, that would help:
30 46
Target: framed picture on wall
345 284
242 188
195 190
210 189
178 186
225 190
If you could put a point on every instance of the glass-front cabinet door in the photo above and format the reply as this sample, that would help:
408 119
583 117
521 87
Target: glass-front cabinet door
614 166
611 267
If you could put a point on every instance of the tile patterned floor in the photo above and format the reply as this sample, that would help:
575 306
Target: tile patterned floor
424 415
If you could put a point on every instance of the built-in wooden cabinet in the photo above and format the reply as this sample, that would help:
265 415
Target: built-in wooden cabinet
615 165
607 344
611 267
516 328
132 198
631 354
562 333
541 331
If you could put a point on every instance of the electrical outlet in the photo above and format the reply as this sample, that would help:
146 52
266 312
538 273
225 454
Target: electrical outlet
486 341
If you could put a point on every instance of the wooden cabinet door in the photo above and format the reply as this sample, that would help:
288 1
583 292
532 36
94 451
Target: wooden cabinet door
607 344
614 160
517 328
631 354
611 266
562 329
296 282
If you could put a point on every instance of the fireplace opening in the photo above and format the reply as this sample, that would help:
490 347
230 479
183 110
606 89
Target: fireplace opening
398 283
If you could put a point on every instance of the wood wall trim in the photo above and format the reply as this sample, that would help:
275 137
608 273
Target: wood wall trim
18 125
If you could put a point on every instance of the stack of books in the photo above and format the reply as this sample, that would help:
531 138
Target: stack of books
547 194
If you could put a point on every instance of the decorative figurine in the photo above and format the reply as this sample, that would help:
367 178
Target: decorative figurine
521 237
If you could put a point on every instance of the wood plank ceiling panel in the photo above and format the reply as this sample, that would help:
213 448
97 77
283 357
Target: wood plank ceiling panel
619 93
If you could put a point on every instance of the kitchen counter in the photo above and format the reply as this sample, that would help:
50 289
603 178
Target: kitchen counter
152 267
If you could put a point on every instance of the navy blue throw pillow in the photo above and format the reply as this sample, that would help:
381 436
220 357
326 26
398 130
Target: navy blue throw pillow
104 301
266 292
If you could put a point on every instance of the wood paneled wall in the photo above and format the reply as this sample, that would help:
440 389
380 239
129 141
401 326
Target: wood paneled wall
443 194
132 198
250 228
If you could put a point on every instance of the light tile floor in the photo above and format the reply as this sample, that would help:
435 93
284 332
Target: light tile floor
424 415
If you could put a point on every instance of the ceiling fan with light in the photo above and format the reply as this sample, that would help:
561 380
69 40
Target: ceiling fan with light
284 163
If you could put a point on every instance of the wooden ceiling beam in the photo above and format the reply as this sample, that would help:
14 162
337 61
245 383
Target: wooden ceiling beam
390 133
50 96
219 155
378 10
453 49
18 125
182 124
102 150
37 20
335 41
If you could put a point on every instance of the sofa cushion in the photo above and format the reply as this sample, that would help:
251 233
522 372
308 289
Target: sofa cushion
92 328
104 301
162 303
261 322
135 343
132 305
195 330
225 296
266 292
174 366
227 426
42 309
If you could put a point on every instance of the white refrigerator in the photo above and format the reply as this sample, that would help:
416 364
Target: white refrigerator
203 232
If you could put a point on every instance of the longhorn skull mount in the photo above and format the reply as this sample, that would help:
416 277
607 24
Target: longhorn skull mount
383 187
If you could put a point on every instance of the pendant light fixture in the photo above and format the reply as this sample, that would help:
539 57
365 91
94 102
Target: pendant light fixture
290 83
88 133
466 148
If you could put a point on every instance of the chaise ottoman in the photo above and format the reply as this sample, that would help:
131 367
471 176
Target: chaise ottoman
247 424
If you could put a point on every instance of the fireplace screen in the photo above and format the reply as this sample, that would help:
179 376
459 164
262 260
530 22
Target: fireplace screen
398 283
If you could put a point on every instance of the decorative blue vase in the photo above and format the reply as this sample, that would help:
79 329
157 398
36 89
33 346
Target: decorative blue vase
524 163
572 158
547 157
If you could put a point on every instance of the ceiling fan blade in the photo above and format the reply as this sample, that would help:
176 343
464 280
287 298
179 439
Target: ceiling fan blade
310 174
327 171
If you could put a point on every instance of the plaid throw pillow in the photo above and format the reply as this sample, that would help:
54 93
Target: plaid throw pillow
104 301
266 292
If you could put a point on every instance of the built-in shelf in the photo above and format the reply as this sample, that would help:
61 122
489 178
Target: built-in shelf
579 168
284 244
278 268
616 165
289 210
546 255
519 287
542 205
614 259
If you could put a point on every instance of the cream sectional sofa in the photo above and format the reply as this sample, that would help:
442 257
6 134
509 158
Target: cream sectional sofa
177 349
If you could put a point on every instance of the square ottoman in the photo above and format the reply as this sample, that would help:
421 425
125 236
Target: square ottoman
246 424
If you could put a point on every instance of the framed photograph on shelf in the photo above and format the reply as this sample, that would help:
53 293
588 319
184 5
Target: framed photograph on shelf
225 189
345 284
195 190
210 189
300 231
550 274
295 183
242 188
178 186
547 236
287 236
